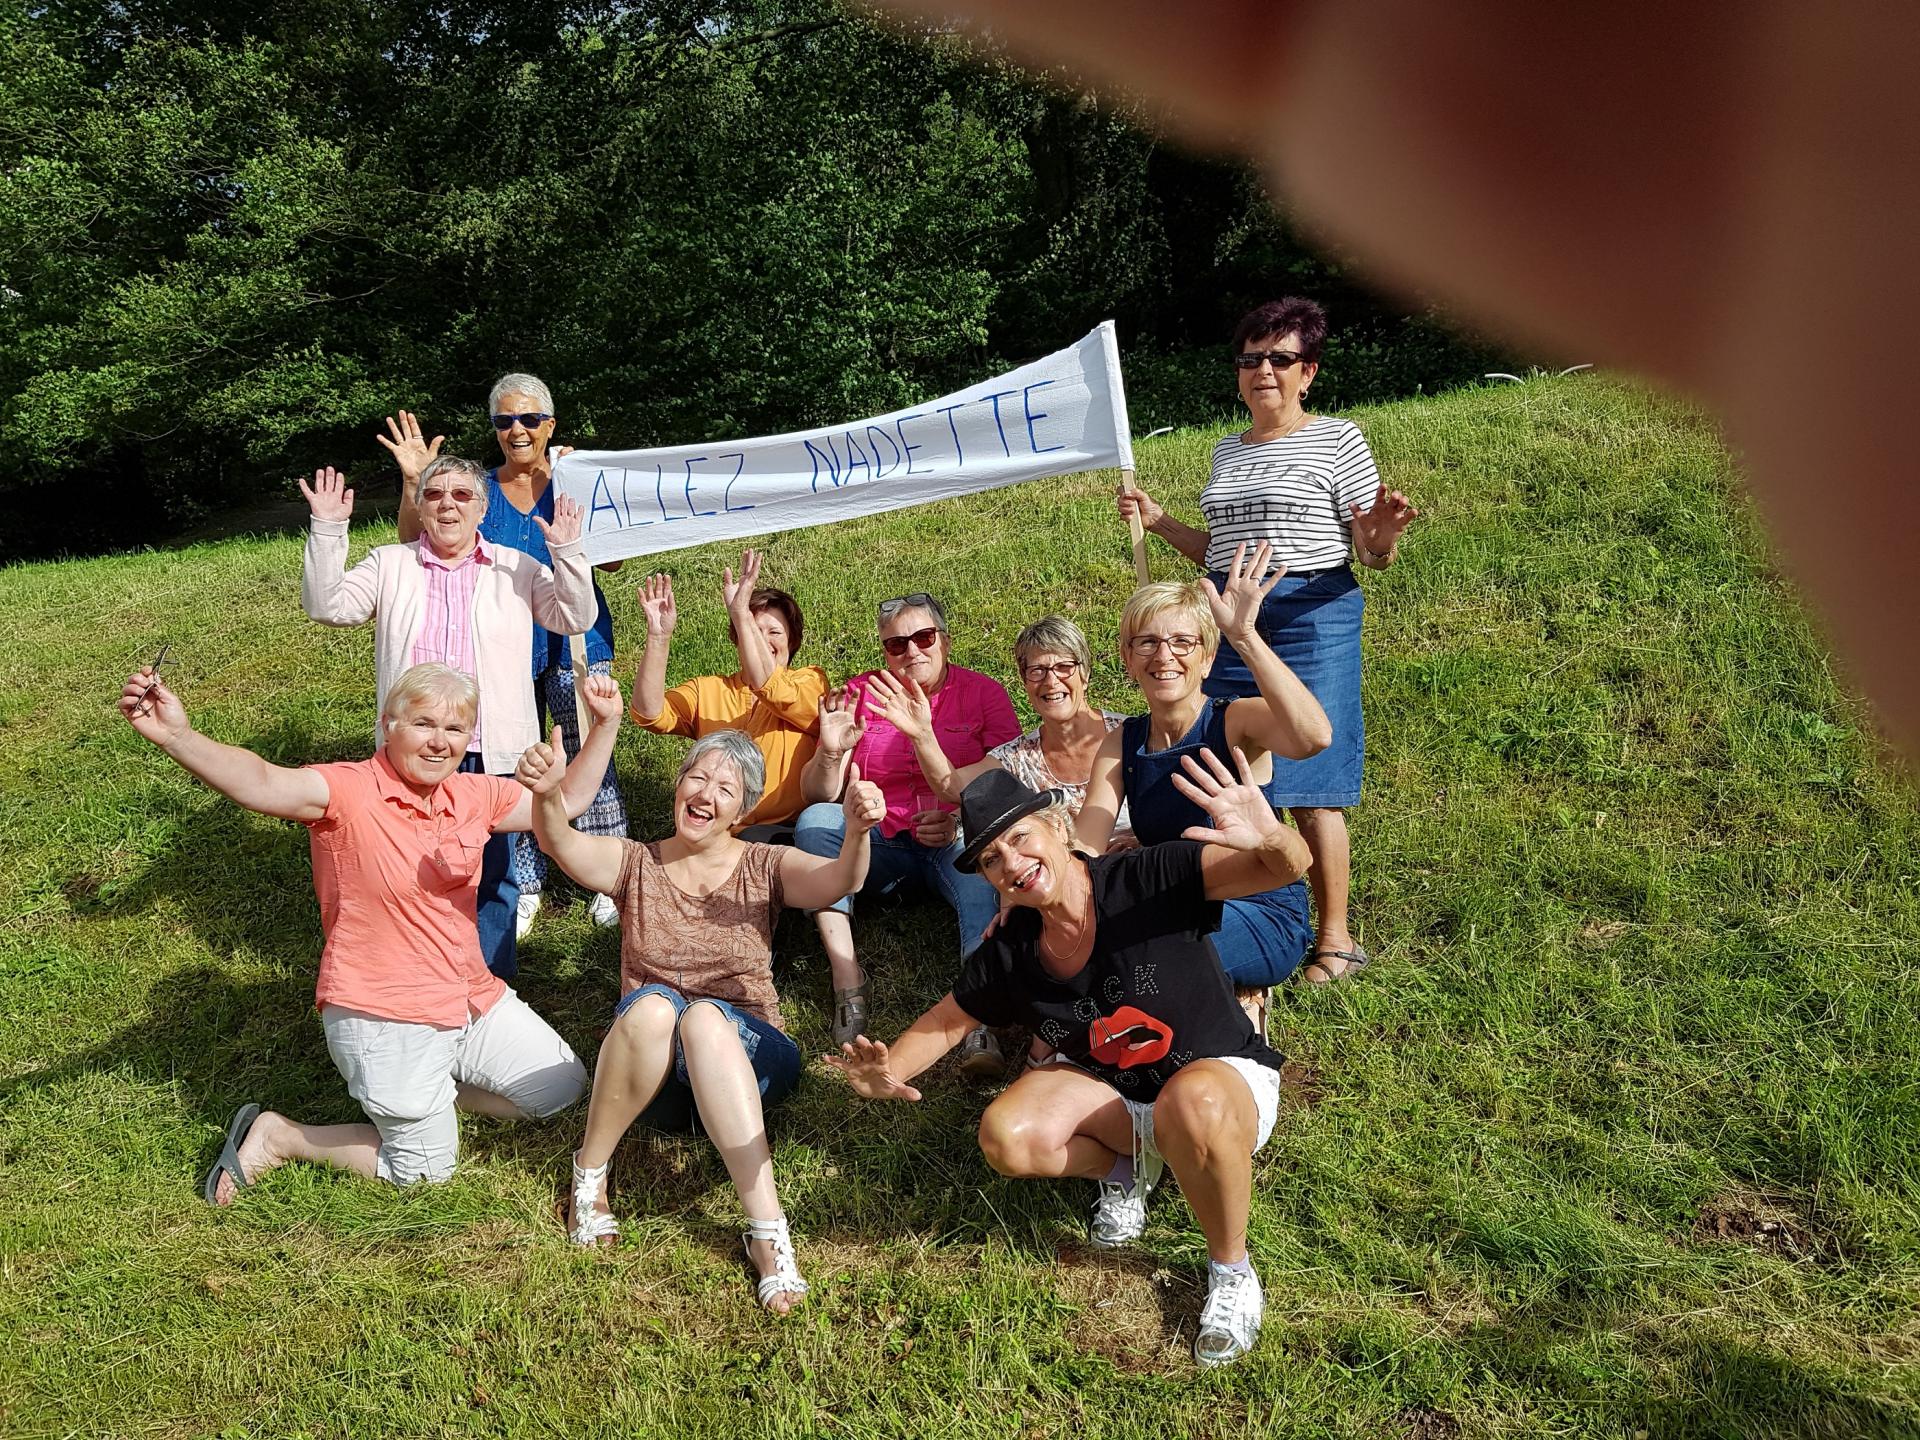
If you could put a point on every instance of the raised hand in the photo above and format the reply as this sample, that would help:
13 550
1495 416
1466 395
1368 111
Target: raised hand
863 1064
1378 529
1137 502
567 518
936 828
410 450
1242 817
737 593
1237 607
863 804
543 768
602 694
905 707
840 727
153 710
656 603
328 498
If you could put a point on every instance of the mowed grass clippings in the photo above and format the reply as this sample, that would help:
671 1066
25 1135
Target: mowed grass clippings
1617 1135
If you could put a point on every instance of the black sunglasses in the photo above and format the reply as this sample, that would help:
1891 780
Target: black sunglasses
532 419
920 639
1279 359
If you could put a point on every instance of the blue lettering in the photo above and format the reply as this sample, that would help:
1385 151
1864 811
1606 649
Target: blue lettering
693 460
878 473
900 429
996 397
1026 400
853 449
832 457
740 456
659 480
959 455
593 510
626 498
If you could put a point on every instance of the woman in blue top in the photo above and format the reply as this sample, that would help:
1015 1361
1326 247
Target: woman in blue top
520 489
1169 634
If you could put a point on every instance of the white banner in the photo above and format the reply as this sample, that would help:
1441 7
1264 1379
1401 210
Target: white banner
1058 416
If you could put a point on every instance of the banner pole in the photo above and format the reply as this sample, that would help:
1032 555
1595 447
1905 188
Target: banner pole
1134 528
577 647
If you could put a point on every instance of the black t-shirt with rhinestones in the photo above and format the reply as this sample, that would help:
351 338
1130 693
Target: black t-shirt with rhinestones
1152 996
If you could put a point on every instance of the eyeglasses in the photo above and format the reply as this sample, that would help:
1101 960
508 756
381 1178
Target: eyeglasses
1062 669
532 419
1180 646
919 600
1253 359
919 639
461 495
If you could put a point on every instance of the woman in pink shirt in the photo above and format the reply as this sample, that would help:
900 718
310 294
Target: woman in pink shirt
415 1022
917 842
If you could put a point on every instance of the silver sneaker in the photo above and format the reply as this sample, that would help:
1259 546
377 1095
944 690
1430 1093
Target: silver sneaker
1119 1214
1230 1320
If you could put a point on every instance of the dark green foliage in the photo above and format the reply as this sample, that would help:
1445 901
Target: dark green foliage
233 237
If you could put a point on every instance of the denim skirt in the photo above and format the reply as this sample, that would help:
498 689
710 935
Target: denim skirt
1313 624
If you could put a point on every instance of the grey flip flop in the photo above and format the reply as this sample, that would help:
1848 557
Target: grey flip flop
1356 960
229 1161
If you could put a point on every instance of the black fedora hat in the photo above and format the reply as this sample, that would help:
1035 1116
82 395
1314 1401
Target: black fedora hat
989 805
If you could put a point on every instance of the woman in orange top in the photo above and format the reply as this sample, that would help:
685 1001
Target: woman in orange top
778 706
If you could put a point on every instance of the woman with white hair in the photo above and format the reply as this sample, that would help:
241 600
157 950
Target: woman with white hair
415 1022
521 502
697 1037
452 596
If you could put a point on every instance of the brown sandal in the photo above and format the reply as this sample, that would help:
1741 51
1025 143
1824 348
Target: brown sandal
1354 960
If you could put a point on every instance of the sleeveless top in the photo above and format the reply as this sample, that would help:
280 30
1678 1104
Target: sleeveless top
1159 811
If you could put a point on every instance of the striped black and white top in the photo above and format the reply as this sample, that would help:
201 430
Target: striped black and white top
1292 492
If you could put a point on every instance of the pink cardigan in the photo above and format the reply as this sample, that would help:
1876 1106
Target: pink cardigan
389 587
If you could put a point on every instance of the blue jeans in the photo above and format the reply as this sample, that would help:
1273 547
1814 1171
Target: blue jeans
898 859
494 906
771 1052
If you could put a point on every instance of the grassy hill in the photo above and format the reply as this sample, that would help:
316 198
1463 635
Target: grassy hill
1618 1135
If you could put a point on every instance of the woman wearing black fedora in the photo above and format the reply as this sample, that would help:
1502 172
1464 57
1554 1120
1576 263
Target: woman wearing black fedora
1107 959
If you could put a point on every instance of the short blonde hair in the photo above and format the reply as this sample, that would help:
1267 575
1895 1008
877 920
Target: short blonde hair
430 684
1188 598
1052 635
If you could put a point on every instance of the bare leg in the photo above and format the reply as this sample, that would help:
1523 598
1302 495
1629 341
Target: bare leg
1204 1124
274 1140
1325 832
476 1101
836 937
633 1064
1054 1122
728 1094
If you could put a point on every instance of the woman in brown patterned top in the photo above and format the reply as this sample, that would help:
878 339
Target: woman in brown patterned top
696 1038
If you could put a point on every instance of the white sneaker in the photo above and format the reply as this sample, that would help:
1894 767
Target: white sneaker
1119 1214
523 914
604 912
1230 1320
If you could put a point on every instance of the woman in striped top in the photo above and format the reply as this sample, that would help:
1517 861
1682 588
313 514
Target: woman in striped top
1298 483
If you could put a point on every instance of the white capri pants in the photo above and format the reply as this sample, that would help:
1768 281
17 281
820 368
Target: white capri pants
405 1076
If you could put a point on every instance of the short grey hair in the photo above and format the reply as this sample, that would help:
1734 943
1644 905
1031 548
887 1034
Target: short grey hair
518 384
737 748
428 684
918 600
1055 635
452 467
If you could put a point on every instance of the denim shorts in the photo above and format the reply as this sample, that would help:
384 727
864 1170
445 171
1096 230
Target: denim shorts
771 1052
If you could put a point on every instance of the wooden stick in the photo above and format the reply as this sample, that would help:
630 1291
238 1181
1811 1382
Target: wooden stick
1139 534
577 647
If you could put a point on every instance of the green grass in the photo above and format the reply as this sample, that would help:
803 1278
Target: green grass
1618 1135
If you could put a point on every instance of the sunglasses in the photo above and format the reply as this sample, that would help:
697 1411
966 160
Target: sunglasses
919 600
460 493
532 419
1062 669
919 639
1254 359
1178 645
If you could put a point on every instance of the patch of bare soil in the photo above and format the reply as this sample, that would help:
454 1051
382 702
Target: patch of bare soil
1421 1423
1130 1310
1765 1222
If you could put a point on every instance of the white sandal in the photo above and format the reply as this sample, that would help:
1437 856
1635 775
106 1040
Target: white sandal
591 1225
785 1279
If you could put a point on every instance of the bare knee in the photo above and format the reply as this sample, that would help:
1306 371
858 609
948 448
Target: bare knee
1202 1110
645 1025
1011 1139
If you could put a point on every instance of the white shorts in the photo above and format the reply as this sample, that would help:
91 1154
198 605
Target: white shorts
1262 1080
405 1077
